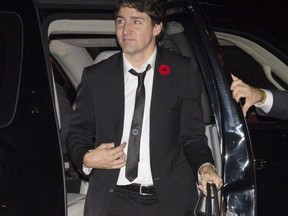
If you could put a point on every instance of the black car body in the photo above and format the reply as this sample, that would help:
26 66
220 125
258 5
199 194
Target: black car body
43 42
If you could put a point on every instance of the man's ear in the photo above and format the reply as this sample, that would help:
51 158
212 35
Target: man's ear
157 29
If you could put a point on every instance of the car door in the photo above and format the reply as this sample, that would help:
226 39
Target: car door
254 44
31 173
259 64
239 168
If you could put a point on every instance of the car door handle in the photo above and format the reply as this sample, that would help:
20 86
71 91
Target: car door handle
260 164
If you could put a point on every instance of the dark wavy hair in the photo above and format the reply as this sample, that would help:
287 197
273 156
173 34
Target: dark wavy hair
153 8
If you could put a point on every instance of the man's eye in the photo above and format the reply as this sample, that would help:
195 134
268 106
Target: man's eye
137 22
119 21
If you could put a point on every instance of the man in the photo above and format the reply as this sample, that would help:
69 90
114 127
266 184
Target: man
173 145
272 103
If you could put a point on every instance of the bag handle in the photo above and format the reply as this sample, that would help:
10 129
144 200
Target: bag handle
216 201
211 189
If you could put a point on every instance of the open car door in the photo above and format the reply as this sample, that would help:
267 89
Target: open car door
31 171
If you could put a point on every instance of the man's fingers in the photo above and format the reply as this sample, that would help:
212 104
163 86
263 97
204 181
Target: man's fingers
236 83
238 94
234 77
120 162
122 145
107 156
106 146
118 149
210 177
119 155
246 107
203 187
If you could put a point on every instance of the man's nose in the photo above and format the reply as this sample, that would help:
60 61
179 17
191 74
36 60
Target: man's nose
127 28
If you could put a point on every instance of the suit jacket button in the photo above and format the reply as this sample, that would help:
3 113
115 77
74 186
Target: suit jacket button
135 132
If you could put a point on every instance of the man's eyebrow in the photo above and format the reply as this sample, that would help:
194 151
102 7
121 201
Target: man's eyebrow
119 16
137 17
131 17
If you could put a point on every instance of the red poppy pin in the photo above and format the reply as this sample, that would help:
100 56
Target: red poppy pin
164 69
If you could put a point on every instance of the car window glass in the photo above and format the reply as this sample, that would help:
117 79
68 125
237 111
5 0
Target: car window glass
10 64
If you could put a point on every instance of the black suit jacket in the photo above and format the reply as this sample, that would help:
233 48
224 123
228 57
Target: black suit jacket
280 105
178 145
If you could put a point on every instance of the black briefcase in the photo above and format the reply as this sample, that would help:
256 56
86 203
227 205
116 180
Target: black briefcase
209 209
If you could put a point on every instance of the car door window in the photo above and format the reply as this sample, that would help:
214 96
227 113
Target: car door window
10 64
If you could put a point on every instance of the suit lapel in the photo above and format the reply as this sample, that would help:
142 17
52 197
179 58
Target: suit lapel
117 97
161 88
121 99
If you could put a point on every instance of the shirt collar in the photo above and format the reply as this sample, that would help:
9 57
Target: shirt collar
151 61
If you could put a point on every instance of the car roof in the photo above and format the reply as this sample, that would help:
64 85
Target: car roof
77 4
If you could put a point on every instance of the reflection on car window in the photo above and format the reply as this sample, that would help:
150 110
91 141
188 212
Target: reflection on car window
10 64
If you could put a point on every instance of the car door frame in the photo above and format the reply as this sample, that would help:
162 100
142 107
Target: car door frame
239 191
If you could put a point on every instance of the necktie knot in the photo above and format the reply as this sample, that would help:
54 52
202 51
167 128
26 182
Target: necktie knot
141 76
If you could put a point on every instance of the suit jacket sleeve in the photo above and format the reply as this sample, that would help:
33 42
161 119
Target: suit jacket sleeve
81 130
279 108
192 133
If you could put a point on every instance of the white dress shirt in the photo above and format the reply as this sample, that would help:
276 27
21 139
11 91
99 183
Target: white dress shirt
131 82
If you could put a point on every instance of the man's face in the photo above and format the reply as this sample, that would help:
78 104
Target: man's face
135 32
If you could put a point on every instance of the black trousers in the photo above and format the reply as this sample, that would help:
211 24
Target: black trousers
128 203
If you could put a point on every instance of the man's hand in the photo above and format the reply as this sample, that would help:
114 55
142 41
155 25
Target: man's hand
106 156
209 175
242 90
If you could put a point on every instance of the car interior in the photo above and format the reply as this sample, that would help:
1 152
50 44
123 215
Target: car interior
248 58
75 44
271 64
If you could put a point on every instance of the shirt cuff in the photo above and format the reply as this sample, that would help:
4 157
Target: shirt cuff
86 170
267 105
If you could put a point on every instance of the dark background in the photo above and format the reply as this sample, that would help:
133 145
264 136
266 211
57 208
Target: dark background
267 18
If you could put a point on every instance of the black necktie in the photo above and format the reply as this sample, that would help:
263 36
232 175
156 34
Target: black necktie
136 127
